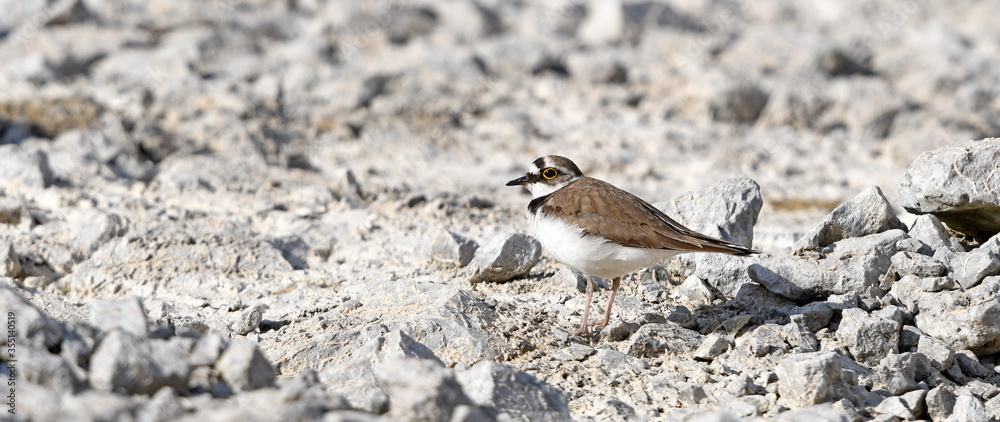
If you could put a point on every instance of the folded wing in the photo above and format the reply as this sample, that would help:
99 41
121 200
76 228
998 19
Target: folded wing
606 211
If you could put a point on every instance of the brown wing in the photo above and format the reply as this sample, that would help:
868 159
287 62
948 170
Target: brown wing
606 211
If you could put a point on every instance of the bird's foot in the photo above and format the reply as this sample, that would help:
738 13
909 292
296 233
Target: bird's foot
585 329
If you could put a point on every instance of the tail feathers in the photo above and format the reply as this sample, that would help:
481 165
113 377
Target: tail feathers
711 244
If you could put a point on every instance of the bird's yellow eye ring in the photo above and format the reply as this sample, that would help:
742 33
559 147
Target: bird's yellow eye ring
550 173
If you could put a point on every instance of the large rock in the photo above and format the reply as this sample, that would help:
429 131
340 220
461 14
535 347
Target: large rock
909 289
420 389
813 378
357 378
940 402
813 316
424 320
452 322
964 319
969 409
725 274
92 227
970 268
894 407
939 354
40 367
244 367
127 314
128 364
800 338
868 213
208 348
840 411
31 326
970 365
852 266
928 229
868 337
511 394
726 210
902 373
911 263
992 245
764 340
960 185
25 165
453 248
507 256
914 401
711 346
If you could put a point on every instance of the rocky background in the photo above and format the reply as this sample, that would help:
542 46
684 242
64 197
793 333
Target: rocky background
294 210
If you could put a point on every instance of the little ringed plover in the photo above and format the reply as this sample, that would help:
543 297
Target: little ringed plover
600 230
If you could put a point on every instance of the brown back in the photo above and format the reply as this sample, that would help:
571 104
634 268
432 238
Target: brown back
606 211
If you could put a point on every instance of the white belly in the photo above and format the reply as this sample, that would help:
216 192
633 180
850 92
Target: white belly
592 255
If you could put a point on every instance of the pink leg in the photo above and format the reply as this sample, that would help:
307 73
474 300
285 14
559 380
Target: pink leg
586 309
614 289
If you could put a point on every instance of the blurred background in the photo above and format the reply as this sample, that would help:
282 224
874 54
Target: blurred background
814 100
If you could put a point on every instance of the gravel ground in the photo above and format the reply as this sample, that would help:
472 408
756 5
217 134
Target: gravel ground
264 210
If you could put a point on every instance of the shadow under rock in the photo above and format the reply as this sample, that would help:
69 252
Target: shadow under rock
761 303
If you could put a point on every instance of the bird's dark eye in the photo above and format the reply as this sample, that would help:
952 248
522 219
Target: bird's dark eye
550 173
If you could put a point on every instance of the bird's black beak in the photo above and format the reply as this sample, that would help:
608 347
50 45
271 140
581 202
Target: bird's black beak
523 180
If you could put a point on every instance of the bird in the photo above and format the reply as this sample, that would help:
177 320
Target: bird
600 230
